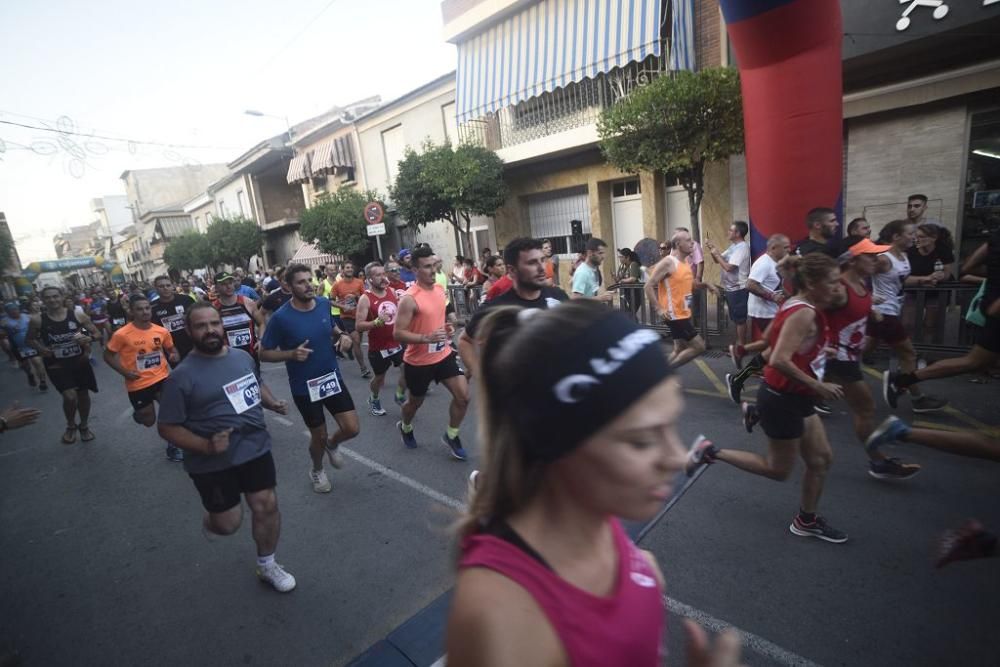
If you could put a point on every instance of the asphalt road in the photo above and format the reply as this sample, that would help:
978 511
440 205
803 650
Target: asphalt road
105 563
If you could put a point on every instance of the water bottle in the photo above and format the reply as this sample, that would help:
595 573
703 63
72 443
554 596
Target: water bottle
938 266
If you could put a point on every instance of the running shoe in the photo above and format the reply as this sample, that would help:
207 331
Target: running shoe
366 374
817 528
735 388
925 403
455 445
750 416
702 452
376 406
175 454
823 408
399 398
31 380
893 468
890 390
970 541
736 354
336 458
277 576
320 482
409 439
889 431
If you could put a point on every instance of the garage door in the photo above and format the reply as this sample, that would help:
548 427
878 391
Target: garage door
550 215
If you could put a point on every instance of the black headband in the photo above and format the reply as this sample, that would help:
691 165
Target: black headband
590 381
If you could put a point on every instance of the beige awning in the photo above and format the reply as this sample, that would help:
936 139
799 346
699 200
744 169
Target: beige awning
310 255
333 155
299 169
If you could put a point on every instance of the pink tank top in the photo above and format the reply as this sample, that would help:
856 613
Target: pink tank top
622 629
430 317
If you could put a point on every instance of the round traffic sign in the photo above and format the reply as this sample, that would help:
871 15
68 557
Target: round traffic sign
374 213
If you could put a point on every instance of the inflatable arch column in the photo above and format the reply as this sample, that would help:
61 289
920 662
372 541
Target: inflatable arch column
789 57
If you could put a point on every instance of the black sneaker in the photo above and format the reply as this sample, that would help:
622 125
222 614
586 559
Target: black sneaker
750 416
735 388
893 469
823 408
817 528
455 445
175 454
890 390
925 403
702 452
409 439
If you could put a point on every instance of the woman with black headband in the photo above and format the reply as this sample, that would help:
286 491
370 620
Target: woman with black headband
578 420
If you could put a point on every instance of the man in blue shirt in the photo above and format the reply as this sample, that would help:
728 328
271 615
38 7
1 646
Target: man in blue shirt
244 289
299 334
406 273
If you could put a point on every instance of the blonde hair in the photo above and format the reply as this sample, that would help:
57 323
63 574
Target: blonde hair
805 272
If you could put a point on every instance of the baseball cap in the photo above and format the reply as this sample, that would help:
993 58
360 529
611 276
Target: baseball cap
852 246
224 276
405 252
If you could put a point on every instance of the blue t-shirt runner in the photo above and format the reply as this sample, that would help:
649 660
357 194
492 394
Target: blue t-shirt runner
315 380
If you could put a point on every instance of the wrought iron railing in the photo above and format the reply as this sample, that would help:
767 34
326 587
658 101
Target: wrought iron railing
566 108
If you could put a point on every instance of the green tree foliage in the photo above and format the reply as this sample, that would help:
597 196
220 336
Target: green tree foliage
445 183
233 241
188 252
675 125
336 223
6 251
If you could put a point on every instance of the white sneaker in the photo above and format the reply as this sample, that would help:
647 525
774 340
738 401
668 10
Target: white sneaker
321 484
276 575
336 458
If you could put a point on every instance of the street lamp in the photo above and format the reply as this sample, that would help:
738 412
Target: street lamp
261 114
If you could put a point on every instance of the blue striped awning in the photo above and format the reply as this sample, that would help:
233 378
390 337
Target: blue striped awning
551 44
682 54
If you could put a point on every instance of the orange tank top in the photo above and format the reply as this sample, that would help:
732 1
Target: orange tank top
428 318
675 292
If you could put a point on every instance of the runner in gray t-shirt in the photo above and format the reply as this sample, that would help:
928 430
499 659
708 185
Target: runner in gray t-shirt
211 407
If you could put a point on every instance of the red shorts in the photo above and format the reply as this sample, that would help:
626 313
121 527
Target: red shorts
890 330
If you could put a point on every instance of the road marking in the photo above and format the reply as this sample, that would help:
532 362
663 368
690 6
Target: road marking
403 479
15 451
753 642
704 392
712 377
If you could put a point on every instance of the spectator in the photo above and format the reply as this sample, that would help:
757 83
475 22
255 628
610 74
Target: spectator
458 270
735 264
495 270
933 252
859 227
587 277
629 273
551 264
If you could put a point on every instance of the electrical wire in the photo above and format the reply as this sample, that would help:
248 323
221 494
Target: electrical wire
297 35
111 138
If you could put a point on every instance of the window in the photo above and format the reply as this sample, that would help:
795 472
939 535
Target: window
241 202
626 188
222 208
450 123
393 147
551 216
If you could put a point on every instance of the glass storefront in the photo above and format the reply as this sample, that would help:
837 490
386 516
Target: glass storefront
982 180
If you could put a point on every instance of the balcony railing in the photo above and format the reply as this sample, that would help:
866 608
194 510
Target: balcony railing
572 106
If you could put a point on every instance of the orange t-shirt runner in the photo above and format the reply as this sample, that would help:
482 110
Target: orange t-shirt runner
348 291
428 318
143 351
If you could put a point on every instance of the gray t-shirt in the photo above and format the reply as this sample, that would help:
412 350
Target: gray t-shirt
209 394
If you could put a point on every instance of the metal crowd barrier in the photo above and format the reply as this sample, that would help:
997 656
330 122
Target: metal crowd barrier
708 310
465 300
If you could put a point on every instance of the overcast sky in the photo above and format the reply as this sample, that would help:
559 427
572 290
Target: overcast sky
181 73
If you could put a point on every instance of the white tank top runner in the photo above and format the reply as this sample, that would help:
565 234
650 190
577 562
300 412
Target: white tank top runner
888 287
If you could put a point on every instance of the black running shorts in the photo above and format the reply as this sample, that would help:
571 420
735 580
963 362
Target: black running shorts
681 329
312 413
382 364
782 415
221 490
72 374
843 372
419 378
988 337
143 397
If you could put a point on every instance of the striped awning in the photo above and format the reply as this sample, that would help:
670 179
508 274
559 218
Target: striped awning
310 255
334 154
298 169
682 54
551 44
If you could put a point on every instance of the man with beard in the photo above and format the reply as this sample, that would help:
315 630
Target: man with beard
299 334
168 312
376 314
211 406
525 260
63 339
822 224
139 352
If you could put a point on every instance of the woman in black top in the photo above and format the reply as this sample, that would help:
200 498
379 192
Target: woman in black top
629 273
932 253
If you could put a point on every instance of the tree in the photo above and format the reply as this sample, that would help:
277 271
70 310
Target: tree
6 251
336 223
675 125
232 241
188 252
453 184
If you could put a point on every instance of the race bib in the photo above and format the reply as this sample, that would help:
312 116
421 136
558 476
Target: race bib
243 393
388 353
436 347
687 301
235 320
818 365
26 352
239 338
150 360
173 323
66 351
118 321
323 387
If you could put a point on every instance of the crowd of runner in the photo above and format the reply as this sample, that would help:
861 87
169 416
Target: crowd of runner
579 405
